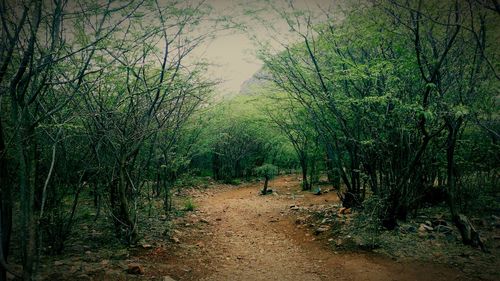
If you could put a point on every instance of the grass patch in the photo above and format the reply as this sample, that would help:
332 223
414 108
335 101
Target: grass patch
189 205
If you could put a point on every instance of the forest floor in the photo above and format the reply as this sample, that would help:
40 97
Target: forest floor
236 234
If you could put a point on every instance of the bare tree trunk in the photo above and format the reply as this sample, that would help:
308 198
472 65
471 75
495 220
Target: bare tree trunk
5 207
24 139
266 182
124 207
469 234
303 166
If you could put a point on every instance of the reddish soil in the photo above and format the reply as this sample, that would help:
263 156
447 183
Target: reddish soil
236 234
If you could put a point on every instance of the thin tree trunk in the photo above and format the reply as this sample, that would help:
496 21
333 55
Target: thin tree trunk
469 234
5 207
303 165
266 182
124 207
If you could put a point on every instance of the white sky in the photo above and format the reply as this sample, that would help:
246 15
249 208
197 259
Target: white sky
233 52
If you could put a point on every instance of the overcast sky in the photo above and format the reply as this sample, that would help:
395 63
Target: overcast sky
234 52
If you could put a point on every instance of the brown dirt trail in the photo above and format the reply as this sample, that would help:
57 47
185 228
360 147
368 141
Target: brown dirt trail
251 237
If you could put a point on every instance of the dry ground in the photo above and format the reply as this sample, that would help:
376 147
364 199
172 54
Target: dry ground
235 234
238 235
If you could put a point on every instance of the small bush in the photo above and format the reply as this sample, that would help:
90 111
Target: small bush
189 205
267 171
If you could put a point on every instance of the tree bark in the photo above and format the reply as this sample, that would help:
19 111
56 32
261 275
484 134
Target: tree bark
124 207
305 182
266 182
469 234
5 206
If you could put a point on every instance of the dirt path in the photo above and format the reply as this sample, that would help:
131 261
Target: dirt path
250 237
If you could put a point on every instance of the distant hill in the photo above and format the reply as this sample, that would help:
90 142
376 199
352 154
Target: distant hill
255 84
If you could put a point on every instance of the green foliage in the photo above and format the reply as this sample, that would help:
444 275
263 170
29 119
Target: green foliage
189 205
268 171
382 92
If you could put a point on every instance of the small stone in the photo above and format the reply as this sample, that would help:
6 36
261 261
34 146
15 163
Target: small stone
321 229
58 263
444 229
83 277
423 228
411 229
135 268
168 278
300 220
104 262
437 222
344 211
203 220
176 240
147 246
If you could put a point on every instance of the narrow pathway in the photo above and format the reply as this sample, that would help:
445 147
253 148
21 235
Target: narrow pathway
251 237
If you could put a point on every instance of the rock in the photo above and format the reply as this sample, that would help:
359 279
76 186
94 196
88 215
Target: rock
135 268
423 228
439 222
203 220
300 220
428 223
408 229
147 246
58 263
83 277
104 262
411 229
295 208
344 211
321 229
176 240
167 278
444 229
